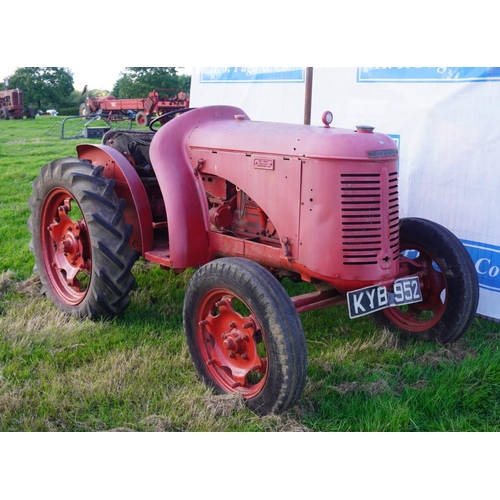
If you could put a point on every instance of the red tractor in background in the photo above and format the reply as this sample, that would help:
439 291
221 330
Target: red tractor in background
248 204
12 105
157 103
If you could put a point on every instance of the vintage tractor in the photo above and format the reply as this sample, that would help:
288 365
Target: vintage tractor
248 204
12 105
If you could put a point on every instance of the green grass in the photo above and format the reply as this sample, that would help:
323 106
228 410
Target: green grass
134 373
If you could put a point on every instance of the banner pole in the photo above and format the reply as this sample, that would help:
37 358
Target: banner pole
308 96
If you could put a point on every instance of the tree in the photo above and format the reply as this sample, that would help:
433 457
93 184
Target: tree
49 86
138 82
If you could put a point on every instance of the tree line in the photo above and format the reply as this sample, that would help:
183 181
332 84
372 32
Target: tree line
53 87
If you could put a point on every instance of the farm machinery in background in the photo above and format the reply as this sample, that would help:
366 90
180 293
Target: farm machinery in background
12 105
157 103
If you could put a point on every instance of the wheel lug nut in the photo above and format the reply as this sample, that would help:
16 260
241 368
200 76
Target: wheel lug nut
232 324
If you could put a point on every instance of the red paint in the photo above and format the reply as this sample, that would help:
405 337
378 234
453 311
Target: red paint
317 202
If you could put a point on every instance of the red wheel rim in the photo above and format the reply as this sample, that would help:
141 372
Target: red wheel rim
66 250
232 344
423 315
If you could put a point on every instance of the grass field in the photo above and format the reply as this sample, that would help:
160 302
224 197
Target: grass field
134 373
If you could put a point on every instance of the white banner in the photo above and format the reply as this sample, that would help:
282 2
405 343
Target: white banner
265 94
444 121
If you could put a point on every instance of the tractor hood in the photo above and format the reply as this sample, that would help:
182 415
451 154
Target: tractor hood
237 133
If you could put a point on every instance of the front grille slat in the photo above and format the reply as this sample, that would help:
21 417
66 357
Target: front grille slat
368 201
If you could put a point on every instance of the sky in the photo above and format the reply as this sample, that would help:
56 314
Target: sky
298 39
356 34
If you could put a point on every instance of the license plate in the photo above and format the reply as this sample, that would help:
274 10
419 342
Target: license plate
375 298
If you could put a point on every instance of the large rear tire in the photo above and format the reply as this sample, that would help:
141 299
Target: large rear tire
244 334
80 240
448 280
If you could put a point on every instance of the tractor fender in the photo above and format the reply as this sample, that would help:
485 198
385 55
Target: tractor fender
182 189
129 187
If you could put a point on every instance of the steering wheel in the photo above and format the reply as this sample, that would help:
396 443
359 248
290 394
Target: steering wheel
166 117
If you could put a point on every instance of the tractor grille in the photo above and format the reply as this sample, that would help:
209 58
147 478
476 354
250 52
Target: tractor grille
15 98
368 201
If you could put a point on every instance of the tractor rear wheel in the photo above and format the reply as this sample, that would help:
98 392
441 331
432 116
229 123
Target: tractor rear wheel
244 334
80 240
448 281
84 109
4 113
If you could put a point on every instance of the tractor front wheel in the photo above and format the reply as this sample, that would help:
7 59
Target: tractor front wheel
80 240
4 113
244 334
448 281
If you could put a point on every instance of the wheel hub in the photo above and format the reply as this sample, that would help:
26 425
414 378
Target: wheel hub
68 239
234 342
231 347
66 247
421 316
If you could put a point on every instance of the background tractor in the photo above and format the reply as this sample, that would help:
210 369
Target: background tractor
12 105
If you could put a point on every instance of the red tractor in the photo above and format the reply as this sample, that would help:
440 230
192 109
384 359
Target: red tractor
248 204
12 105
158 102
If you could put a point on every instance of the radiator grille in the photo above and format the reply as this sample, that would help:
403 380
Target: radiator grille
367 200
393 210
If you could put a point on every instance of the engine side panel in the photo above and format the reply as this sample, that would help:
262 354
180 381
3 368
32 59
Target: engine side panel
267 189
